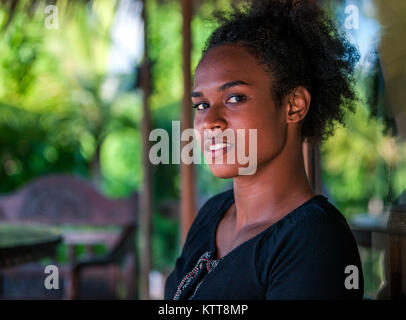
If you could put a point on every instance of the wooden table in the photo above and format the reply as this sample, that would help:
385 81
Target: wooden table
22 243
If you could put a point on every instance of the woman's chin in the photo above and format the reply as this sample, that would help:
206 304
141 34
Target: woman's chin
224 171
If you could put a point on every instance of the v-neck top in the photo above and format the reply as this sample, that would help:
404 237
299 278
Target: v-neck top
310 253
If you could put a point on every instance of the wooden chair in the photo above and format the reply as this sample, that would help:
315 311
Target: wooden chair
390 238
70 201
395 256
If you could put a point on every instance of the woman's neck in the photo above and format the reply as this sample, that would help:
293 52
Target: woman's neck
279 186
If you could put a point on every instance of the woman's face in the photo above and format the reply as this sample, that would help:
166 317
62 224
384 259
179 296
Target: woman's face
233 91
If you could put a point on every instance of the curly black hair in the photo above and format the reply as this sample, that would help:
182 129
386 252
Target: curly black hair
299 45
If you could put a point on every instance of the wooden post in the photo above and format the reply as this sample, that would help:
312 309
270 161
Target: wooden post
145 212
312 160
187 201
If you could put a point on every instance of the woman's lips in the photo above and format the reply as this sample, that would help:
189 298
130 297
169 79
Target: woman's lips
215 149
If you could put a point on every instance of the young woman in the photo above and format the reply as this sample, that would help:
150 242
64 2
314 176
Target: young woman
280 67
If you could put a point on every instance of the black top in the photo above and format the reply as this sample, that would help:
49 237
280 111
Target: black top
304 255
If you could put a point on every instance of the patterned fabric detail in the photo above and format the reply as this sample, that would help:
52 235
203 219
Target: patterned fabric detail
203 264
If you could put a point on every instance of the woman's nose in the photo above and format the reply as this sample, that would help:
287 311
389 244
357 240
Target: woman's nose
214 119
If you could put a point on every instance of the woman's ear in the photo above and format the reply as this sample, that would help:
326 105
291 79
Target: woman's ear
298 104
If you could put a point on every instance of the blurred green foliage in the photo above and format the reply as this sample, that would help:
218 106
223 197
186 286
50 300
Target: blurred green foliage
361 162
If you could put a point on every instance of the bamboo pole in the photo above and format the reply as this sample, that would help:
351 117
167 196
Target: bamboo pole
312 161
187 202
145 212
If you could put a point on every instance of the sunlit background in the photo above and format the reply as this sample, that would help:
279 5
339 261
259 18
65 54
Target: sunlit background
70 102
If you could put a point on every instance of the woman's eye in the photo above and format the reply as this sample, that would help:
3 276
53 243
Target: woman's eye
200 106
236 99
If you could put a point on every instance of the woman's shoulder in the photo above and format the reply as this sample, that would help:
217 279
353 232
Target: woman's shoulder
313 243
321 214
316 212
315 228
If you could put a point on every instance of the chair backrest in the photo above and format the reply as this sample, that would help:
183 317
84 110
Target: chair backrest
63 199
397 251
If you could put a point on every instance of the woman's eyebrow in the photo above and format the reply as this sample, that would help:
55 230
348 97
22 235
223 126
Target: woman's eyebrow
227 85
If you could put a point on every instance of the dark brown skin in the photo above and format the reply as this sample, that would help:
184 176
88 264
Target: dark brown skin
280 183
